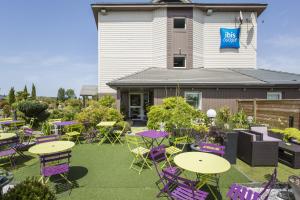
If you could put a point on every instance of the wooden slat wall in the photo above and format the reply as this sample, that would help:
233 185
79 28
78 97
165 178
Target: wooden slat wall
276 113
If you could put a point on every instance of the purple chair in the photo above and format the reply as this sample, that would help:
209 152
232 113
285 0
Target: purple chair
55 164
212 148
48 138
20 146
180 188
7 151
157 155
238 192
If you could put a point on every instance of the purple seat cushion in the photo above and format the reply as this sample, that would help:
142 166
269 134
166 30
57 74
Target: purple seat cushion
183 193
54 170
172 170
8 152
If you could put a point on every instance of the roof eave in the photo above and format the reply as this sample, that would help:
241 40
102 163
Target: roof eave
259 8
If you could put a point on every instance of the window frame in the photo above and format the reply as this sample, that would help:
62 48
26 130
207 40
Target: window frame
279 93
199 95
179 56
175 18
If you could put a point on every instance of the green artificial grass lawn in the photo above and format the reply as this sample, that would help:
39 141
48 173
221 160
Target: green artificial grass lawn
102 172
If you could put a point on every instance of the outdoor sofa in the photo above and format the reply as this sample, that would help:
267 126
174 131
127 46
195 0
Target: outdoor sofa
253 150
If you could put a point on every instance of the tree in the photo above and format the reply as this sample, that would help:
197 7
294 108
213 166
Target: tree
25 93
70 94
61 94
33 92
34 109
11 96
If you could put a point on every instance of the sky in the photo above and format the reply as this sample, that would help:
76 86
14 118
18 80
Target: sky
53 43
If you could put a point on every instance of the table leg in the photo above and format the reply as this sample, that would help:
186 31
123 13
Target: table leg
204 181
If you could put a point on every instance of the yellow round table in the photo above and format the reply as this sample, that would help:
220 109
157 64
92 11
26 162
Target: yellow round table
6 136
205 165
51 147
202 163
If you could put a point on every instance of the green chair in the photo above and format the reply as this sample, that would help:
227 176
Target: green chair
106 134
140 154
73 132
117 134
174 150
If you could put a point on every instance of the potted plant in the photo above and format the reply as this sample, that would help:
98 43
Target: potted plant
294 182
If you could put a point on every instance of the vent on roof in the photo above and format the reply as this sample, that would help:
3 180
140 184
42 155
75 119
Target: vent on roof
171 1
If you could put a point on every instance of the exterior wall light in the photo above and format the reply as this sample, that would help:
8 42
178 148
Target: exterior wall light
103 11
209 12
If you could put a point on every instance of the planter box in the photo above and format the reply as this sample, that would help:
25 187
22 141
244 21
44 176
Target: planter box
230 144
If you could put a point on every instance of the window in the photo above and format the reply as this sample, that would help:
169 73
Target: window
179 61
274 95
179 23
194 99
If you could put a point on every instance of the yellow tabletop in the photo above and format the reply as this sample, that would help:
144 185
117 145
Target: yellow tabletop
202 163
51 147
74 133
5 136
107 123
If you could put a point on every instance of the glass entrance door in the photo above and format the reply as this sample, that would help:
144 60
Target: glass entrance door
136 104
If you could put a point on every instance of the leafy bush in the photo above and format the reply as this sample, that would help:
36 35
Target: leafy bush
95 113
34 109
31 189
107 101
6 110
174 112
288 133
3 103
239 120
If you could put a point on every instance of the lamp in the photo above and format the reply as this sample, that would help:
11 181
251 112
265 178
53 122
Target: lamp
211 114
103 11
250 119
209 12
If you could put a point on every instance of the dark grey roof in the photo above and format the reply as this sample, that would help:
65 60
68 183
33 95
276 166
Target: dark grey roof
206 77
89 90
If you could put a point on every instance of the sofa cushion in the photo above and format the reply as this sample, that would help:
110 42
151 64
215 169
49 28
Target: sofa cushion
264 131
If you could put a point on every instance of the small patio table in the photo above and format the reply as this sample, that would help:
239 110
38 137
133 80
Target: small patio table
152 137
11 123
202 164
60 125
51 147
6 136
107 125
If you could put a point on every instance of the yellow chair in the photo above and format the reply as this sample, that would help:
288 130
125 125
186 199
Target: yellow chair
173 150
140 154
73 132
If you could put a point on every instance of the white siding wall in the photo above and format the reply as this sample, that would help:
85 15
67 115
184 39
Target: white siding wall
198 28
125 45
214 57
160 37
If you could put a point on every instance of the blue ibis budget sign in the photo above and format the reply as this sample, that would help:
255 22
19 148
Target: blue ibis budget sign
230 38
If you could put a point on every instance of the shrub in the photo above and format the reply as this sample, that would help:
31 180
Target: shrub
34 109
95 113
107 101
31 189
6 110
174 112
239 120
